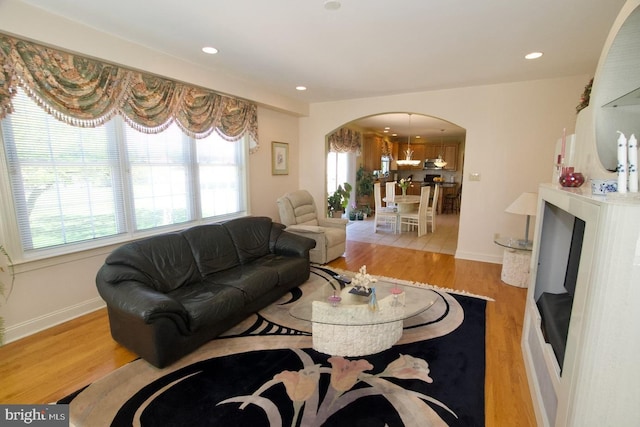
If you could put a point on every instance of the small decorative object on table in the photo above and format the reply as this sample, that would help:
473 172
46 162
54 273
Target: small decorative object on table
334 299
373 300
404 184
396 292
569 178
342 278
361 282
604 186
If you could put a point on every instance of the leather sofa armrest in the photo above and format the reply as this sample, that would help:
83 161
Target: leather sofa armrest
333 222
138 300
291 244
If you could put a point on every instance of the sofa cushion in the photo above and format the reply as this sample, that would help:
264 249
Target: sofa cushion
250 236
212 248
289 269
252 280
208 304
166 260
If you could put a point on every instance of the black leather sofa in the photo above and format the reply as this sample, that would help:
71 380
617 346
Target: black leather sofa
169 294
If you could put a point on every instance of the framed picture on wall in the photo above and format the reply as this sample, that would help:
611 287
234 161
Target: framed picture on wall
279 158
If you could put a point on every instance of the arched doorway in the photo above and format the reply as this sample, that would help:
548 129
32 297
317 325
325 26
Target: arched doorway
385 138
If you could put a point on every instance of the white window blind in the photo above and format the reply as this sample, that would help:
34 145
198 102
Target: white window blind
75 185
160 177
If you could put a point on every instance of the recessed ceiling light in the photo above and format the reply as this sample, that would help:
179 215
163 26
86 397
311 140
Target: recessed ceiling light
533 55
210 50
301 88
332 4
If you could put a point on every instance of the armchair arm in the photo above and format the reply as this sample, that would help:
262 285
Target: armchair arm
333 222
306 229
310 231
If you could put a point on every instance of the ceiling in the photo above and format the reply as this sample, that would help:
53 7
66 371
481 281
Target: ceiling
365 48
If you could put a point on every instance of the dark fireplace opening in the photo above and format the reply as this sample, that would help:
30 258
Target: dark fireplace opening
562 237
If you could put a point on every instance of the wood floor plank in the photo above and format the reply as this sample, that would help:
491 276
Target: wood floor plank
49 365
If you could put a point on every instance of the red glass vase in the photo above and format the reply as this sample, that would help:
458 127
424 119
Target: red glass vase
571 179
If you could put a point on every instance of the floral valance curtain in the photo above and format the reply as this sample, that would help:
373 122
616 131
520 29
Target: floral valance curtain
345 140
88 93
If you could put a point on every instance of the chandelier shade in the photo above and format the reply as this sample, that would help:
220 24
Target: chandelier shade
440 162
408 161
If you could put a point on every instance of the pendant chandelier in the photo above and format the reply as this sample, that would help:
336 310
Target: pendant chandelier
439 162
407 161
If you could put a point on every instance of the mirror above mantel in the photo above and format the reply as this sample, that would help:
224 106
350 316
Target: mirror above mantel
616 92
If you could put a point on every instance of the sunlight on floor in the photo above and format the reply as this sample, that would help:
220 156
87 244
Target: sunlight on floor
444 240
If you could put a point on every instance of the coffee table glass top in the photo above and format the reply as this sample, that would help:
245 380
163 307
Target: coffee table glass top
354 310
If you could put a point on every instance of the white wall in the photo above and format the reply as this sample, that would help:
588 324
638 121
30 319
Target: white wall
511 134
266 188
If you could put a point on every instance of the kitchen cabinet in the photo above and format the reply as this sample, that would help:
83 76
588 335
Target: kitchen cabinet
431 151
372 149
414 189
449 151
450 155
372 152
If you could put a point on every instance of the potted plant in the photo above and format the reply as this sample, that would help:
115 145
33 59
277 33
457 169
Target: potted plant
353 213
364 186
338 201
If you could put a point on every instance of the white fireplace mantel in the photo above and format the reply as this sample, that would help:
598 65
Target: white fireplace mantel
599 383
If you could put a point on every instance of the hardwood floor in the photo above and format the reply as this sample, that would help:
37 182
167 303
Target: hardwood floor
54 363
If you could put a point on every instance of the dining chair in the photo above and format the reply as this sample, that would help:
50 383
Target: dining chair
384 215
433 209
419 219
390 192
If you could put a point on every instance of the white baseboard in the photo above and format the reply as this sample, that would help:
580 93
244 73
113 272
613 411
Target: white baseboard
478 256
30 327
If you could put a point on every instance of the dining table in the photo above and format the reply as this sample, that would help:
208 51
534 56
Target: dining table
405 203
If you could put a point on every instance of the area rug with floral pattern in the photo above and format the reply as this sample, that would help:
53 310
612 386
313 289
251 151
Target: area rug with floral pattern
264 372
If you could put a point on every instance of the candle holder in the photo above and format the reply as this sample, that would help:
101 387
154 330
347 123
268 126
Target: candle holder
334 300
396 292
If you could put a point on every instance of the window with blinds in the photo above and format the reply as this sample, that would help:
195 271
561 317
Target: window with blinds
75 185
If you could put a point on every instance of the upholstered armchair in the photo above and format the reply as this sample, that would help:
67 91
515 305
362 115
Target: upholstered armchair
298 212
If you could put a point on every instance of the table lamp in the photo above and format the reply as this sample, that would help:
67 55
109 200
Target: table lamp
525 204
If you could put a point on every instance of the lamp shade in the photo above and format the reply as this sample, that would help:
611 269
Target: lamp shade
525 204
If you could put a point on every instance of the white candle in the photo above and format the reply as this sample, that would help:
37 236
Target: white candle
622 163
633 164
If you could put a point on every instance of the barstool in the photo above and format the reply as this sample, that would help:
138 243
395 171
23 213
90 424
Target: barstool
452 201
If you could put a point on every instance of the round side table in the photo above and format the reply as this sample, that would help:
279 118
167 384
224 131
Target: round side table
516 261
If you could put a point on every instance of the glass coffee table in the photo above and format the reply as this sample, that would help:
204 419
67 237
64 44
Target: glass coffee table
351 327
